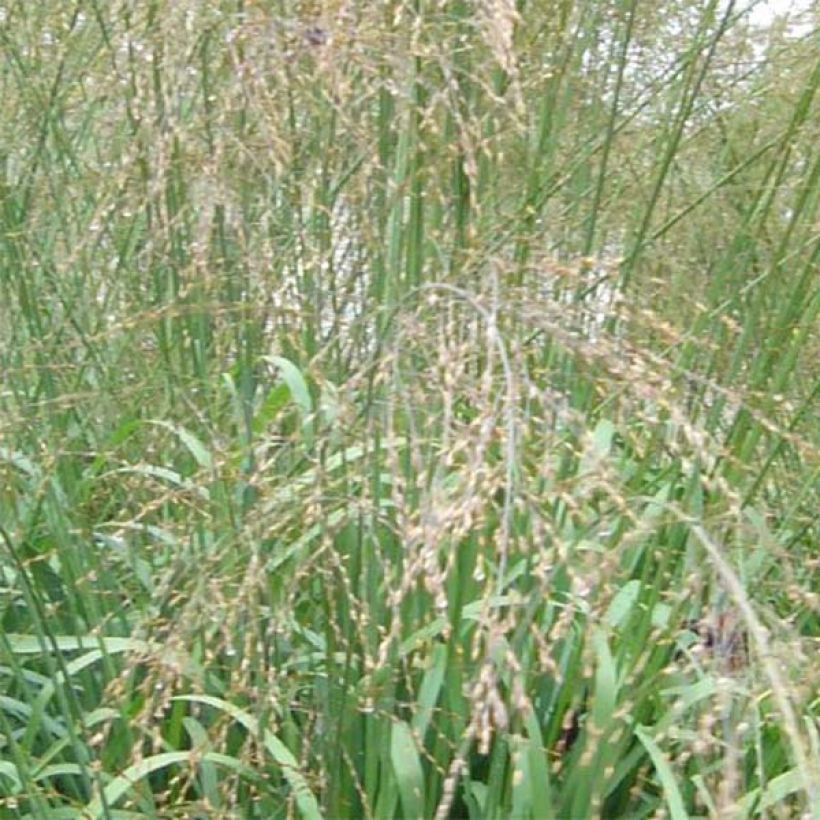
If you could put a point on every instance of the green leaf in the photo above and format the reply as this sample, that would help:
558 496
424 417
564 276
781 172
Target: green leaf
34 645
293 378
21 462
622 604
208 777
602 436
202 455
305 800
531 791
277 398
9 770
597 447
777 790
122 784
538 771
21 711
657 505
606 682
674 800
166 475
521 778
430 688
407 767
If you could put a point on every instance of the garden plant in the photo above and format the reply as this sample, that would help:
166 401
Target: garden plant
409 409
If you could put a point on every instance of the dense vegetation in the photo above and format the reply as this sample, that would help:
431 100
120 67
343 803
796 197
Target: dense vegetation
408 409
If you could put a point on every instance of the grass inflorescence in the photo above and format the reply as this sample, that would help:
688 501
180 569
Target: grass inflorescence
408 409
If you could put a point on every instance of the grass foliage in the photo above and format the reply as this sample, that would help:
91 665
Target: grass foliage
408 409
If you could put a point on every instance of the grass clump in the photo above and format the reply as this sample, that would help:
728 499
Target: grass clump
408 411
